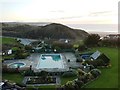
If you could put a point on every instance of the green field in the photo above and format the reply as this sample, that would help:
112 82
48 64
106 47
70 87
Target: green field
6 40
13 77
109 77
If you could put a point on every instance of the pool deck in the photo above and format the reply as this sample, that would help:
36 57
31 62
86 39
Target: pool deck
34 58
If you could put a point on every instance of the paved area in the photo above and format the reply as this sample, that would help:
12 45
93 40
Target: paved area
26 41
72 58
34 58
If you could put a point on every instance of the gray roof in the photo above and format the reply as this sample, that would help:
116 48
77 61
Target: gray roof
95 55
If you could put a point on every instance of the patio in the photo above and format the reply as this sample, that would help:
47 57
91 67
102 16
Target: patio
34 59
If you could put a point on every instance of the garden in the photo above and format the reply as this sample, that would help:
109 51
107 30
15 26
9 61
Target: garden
41 80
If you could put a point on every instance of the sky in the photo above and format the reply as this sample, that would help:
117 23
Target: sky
60 11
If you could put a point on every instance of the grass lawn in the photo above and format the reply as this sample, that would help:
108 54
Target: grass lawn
109 77
18 79
65 79
6 40
13 77
48 87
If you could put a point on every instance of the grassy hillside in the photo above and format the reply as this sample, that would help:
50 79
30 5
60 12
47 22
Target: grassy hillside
53 31
109 77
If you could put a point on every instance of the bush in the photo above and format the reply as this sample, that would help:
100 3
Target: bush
69 74
96 63
29 73
69 85
21 84
79 83
95 72
82 48
5 69
80 72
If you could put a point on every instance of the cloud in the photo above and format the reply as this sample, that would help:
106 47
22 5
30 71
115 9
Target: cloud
103 13
71 17
57 11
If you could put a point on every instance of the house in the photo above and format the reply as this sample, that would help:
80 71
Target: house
95 55
100 56
112 36
64 40
7 52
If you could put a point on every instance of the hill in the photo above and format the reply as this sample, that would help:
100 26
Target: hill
53 31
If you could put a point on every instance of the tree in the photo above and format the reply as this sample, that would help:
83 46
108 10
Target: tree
79 83
92 40
28 47
82 48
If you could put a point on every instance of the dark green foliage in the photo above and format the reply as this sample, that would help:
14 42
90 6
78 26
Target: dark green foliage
95 72
104 58
20 53
44 73
110 42
69 74
92 40
29 73
21 84
81 72
27 47
79 83
9 70
41 80
82 48
95 63
69 85
59 45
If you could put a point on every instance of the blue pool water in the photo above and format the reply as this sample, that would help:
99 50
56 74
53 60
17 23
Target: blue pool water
17 64
55 57
50 61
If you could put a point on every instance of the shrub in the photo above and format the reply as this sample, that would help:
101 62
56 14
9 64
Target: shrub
95 72
69 74
82 48
10 70
29 73
69 84
21 84
5 69
79 83
81 72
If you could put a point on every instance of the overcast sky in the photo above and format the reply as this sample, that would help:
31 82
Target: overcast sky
60 11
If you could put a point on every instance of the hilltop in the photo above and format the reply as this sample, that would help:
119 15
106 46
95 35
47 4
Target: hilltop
52 30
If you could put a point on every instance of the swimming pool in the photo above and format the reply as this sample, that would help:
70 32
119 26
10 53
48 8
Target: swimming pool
16 65
50 61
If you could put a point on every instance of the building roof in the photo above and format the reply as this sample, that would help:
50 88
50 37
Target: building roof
95 55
